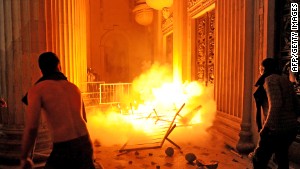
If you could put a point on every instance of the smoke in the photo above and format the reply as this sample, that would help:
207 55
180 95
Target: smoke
154 94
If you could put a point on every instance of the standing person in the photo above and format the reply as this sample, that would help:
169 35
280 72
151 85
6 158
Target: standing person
61 103
280 126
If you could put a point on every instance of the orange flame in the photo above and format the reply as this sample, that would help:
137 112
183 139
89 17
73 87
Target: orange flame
155 97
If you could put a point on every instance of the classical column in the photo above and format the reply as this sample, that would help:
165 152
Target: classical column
179 38
245 143
22 39
233 72
66 35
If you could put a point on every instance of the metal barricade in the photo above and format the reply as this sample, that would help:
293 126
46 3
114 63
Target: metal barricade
90 93
96 93
112 93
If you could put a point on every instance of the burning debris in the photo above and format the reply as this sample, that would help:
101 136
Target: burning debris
155 101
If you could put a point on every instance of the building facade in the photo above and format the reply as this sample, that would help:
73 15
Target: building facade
217 42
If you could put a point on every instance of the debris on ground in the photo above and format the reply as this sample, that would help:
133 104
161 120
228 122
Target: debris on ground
209 165
190 157
169 151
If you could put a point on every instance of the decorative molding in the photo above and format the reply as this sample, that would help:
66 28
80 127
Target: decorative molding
211 48
201 46
196 6
205 48
167 24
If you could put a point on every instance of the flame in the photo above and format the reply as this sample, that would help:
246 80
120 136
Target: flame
154 97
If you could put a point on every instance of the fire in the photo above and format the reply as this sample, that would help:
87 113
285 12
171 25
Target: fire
155 97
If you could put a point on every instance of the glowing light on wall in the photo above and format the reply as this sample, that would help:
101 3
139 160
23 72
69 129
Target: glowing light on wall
159 4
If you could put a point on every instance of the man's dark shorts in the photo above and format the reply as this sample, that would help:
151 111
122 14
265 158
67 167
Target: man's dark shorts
74 154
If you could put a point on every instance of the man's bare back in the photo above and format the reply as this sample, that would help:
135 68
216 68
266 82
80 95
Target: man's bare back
63 108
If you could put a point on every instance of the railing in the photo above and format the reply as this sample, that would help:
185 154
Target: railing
90 93
97 93
111 93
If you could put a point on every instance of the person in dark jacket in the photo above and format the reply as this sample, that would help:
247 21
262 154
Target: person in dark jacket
277 96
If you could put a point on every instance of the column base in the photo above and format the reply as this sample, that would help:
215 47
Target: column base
10 145
245 144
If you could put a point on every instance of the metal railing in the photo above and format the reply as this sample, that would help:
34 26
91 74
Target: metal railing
90 93
111 93
96 93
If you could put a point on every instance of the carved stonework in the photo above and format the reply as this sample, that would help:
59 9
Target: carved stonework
192 3
285 28
199 5
201 48
205 48
167 24
211 47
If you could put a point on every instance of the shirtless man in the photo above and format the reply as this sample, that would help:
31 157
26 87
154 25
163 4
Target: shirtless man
62 105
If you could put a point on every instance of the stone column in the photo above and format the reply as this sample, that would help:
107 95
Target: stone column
245 143
66 35
179 38
22 39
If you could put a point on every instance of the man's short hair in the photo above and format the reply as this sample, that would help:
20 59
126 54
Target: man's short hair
48 62
271 65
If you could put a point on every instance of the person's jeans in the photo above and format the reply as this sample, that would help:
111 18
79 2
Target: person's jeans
73 154
270 143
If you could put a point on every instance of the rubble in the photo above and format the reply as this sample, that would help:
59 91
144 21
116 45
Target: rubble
210 165
190 157
169 151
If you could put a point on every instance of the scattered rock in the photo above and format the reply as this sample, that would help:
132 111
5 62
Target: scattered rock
150 154
234 160
210 165
157 167
205 154
169 151
200 163
153 163
190 157
136 153
168 164
130 162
